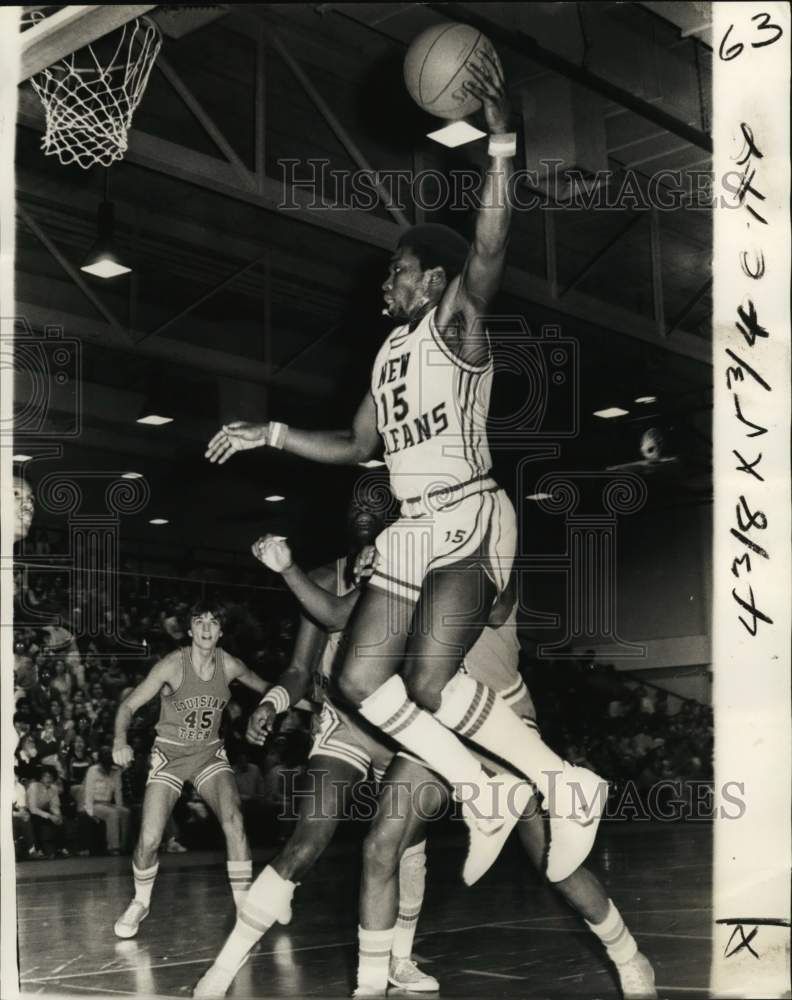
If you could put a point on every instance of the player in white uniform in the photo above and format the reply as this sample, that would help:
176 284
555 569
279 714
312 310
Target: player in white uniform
442 565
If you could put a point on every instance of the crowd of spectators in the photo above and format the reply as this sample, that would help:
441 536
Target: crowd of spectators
636 735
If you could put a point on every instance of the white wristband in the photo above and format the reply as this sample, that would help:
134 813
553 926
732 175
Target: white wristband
504 144
276 435
278 697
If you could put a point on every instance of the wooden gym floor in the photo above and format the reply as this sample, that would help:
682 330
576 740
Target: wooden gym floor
508 936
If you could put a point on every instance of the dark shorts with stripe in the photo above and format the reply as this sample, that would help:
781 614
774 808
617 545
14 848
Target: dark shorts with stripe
171 764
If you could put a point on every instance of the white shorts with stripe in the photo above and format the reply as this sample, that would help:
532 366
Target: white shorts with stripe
172 764
346 737
480 527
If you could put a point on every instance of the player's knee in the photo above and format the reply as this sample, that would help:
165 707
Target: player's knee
355 686
149 840
425 687
381 853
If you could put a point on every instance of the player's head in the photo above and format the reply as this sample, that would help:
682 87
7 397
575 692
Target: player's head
24 506
364 523
425 260
206 622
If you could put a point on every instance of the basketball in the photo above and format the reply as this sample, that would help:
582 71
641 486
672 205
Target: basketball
436 69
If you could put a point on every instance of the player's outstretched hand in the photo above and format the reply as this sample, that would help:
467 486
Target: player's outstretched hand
123 755
234 437
274 552
260 724
365 563
490 88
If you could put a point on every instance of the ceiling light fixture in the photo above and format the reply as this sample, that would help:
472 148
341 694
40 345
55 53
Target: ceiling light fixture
131 475
645 399
21 458
159 520
154 420
540 496
456 134
610 412
373 463
103 260
274 498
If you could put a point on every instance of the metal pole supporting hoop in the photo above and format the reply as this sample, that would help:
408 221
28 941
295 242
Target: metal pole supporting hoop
89 97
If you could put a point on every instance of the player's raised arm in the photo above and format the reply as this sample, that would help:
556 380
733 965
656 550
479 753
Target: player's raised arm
164 672
323 606
468 296
343 447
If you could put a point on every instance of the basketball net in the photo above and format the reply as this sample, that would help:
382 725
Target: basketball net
89 101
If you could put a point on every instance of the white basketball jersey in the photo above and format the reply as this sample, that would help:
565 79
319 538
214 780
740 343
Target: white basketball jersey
431 411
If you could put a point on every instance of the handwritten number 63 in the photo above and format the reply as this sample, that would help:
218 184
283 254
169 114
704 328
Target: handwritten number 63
732 51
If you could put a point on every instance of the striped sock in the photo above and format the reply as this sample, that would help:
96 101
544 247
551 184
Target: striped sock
144 882
374 959
619 943
240 875
479 714
268 900
390 709
412 884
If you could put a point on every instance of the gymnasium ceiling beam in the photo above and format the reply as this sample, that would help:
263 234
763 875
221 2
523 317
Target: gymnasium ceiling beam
70 29
208 172
179 352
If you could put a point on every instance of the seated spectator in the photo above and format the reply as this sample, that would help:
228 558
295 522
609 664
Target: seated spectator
82 727
62 680
102 728
22 825
647 701
27 758
25 673
40 694
77 762
103 800
47 743
21 726
115 679
44 805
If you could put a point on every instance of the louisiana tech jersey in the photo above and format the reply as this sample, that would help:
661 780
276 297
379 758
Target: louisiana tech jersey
191 714
335 646
431 411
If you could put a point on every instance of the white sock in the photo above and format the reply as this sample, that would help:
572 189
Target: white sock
374 949
265 901
390 709
479 714
240 875
144 882
412 884
619 943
